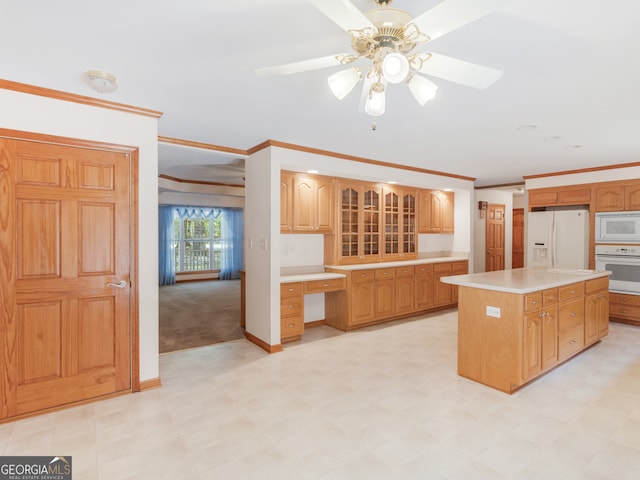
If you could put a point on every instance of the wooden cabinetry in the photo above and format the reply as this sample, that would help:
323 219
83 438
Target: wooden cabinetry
423 278
525 335
405 290
312 205
612 198
381 294
286 199
444 293
624 308
435 211
545 197
596 311
359 235
399 223
291 311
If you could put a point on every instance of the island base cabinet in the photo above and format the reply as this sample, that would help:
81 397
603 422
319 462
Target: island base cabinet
506 340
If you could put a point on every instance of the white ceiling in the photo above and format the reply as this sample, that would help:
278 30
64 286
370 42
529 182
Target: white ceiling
571 67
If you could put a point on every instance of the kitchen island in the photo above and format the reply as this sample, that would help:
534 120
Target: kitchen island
516 325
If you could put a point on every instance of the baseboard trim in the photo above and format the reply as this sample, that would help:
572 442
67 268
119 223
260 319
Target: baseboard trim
150 384
315 323
262 344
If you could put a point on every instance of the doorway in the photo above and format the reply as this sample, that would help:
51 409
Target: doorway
517 248
67 297
495 238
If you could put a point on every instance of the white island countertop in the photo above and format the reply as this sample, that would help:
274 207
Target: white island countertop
523 280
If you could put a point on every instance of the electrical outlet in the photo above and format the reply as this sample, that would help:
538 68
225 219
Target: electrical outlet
493 311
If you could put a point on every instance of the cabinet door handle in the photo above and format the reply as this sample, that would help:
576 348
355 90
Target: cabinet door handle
573 314
325 284
572 342
573 292
534 302
291 325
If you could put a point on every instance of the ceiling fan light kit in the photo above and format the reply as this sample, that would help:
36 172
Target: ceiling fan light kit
387 37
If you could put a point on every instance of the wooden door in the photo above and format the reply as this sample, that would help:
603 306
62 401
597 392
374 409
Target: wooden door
495 238
64 241
303 204
517 239
325 211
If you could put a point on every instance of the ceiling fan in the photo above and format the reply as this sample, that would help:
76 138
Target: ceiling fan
388 38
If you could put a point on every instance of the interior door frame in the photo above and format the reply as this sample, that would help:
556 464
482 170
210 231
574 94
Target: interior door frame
133 152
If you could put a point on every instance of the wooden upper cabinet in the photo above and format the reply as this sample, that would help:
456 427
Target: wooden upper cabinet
359 220
399 223
309 205
435 211
618 197
286 199
560 196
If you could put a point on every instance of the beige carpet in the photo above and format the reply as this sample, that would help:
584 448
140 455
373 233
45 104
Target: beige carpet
194 314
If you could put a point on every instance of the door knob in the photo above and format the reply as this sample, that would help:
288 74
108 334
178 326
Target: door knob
120 284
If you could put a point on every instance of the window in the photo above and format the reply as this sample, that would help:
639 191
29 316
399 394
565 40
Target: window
198 243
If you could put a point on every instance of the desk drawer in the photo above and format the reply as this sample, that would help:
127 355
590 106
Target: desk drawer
291 327
459 267
319 286
291 306
288 290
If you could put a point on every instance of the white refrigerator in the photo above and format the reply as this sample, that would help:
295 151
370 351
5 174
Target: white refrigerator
558 239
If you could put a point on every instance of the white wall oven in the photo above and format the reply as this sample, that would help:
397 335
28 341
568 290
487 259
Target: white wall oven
617 227
623 261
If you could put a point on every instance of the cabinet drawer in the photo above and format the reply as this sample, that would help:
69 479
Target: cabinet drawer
290 289
533 302
385 273
441 267
570 342
630 312
319 286
403 272
571 315
424 269
625 299
594 285
291 326
291 306
459 267
549 296
568 292
359 276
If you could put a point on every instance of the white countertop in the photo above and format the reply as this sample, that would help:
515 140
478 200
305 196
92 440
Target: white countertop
308 277
401 263
523 280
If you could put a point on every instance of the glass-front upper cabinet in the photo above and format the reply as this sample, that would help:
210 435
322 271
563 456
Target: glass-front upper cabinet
358 238
399 230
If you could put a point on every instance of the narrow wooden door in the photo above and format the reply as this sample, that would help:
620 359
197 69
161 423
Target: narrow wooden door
517 239
65 281
495 238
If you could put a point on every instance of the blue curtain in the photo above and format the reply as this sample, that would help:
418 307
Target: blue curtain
166 245
232 233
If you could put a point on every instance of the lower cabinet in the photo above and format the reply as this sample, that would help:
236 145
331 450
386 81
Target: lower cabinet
624 308
291 311
560 322
381 294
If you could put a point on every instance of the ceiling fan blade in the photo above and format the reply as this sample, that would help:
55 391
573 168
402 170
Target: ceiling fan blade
451 14
459 71
344 13
303 66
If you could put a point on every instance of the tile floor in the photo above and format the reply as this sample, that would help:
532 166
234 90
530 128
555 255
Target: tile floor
379 403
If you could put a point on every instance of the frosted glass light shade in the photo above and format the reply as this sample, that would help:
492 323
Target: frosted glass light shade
395 67
422 89
343 82
375 104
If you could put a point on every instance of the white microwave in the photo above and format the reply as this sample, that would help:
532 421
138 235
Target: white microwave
617 227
